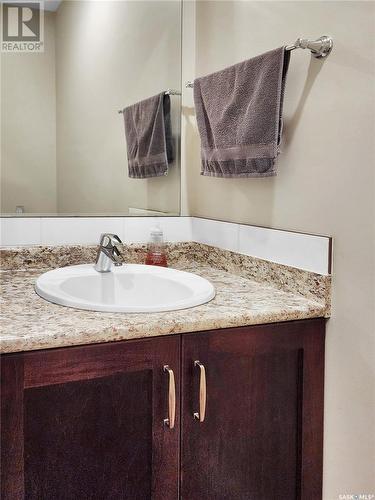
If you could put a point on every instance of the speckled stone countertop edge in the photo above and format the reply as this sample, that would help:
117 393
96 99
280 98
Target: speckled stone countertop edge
14 345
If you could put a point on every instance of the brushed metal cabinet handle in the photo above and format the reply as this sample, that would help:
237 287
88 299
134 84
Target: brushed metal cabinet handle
202 392
171 398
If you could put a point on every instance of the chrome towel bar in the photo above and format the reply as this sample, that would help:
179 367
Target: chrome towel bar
167 92
319 48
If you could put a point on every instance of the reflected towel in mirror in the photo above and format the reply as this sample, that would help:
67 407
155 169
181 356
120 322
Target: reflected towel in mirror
149 137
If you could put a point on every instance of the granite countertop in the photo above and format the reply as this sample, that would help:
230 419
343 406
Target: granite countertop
29 322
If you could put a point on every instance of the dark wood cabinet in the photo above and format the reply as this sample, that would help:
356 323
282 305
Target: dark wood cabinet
261 438
87 423
91 422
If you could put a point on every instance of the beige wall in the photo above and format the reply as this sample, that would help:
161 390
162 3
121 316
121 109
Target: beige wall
326 171
109 55
325 185
28 127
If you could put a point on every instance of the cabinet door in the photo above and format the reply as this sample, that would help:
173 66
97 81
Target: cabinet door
88 422
261 437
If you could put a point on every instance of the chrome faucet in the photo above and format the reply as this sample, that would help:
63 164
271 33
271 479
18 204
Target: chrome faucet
108 253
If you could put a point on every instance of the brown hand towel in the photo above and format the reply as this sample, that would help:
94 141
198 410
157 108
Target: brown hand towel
148 136
239 116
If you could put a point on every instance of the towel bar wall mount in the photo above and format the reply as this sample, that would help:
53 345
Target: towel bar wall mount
319 48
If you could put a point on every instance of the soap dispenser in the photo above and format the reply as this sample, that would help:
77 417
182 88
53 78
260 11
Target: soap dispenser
156 248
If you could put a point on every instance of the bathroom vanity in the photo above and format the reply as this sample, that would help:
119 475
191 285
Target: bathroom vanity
67 410
222 401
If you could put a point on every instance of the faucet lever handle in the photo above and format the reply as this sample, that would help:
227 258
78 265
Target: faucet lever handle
109 240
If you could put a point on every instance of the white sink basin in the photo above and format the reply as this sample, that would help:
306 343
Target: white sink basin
129 288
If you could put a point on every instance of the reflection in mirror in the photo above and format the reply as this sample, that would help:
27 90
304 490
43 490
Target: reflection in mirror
64 149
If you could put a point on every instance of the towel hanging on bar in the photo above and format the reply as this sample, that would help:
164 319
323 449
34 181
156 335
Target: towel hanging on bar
149 137
239 116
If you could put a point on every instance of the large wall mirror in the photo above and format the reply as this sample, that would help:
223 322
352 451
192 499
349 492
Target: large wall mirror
63 148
